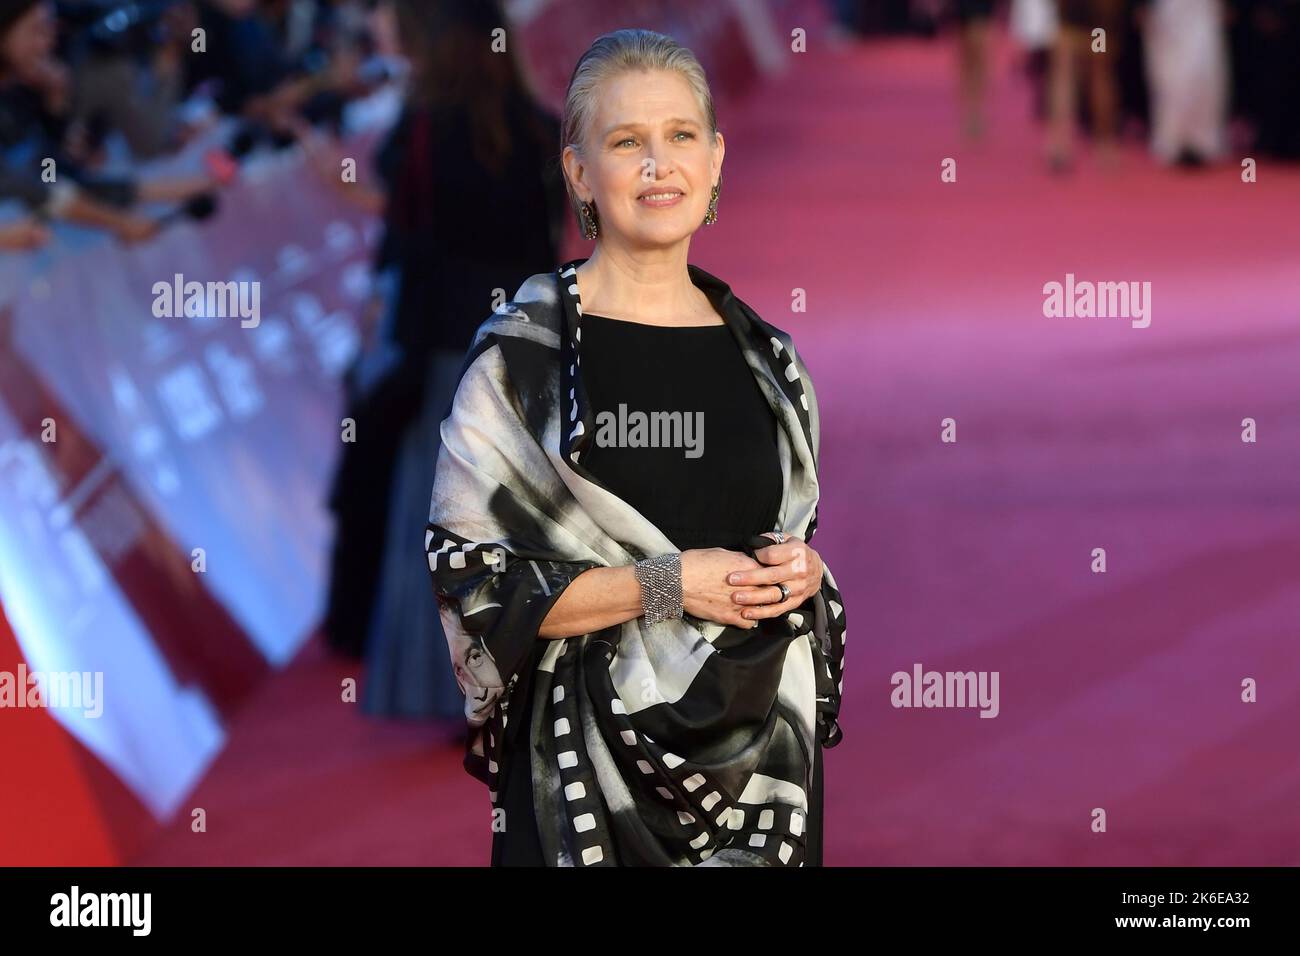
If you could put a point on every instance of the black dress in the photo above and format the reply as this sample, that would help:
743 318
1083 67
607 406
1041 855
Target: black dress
678 489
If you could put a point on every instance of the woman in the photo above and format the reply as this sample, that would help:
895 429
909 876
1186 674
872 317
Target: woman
1187 65
487 161
1077 53
641 688
469 149
975 21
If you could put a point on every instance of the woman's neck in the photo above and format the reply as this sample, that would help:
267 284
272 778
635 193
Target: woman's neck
654 288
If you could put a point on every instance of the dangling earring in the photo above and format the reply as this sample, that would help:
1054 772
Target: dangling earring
590 228
712 215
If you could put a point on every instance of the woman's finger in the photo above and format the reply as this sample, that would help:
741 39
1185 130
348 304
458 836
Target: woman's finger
773 610
793 550
730 617
753 596
757 577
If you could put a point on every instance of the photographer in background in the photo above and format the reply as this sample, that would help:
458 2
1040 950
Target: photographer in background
255 75
128 68
44 159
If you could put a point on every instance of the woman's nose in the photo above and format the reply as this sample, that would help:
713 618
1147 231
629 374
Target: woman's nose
660 165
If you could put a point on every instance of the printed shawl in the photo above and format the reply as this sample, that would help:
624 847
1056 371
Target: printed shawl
670 744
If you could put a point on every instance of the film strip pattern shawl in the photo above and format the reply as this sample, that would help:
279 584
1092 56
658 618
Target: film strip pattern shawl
668 744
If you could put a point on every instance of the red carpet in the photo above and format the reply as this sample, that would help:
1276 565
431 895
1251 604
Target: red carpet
1119 691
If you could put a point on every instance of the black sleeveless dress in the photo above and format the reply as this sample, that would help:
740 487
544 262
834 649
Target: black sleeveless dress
717 487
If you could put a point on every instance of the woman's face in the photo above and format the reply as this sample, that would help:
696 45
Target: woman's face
648 161
29 41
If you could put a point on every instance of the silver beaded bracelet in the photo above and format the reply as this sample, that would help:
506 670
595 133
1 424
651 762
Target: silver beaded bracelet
661 587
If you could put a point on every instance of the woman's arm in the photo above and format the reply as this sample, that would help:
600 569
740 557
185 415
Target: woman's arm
596 599
602 597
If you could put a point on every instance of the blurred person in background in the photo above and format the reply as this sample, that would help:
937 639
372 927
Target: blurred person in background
263 69
975 23
43 162
380 390
1034 25
243 60
470 151
128 66
876 16
1187 64
1267 43
1074 64
297 27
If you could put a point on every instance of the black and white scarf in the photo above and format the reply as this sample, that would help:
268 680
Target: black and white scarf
667 744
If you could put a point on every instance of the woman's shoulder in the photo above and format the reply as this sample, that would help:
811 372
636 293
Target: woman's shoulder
722 295
516 350
534 313
726 299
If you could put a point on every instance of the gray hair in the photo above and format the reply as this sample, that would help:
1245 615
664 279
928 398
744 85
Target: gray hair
620 52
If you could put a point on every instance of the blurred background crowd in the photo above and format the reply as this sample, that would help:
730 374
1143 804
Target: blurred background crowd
1195 77
389 172
122 119
101 87
96 95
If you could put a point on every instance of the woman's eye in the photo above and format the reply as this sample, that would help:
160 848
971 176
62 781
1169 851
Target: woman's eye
623 142
686 134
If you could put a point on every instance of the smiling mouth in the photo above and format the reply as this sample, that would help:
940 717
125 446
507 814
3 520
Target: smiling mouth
665 197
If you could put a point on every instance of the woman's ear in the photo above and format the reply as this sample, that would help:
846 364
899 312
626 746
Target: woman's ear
719 150
575 171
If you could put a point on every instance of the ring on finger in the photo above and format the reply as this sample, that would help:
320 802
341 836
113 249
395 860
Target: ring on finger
785 593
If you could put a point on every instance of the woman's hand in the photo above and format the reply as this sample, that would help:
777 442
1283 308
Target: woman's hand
793 563
705 591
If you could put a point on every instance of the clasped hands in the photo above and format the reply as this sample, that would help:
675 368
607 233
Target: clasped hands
731 588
